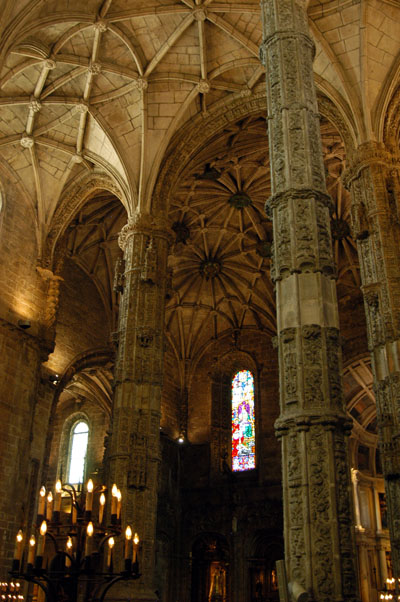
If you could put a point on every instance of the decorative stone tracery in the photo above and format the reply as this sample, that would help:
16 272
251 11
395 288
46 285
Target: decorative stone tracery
134 455
373 179
313 424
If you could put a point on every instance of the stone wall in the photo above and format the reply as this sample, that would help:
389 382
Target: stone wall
78 329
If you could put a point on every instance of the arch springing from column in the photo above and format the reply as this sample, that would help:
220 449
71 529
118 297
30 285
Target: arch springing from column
243 423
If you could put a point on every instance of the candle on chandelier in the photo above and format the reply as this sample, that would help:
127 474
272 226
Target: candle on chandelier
57 497
42 539
111 543
128 537
74 512
42 501
135 547
101 507
89 496
18 545
88 542
49 507
119 497
69 546
114 503
31 551
18 551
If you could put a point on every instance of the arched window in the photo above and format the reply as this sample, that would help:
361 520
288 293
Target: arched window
243 425
77 452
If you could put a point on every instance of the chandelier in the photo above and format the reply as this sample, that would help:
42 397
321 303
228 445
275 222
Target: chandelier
391 590
74 550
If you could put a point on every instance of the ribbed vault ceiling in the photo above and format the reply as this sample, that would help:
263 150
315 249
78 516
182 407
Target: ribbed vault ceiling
221 258
92 243
105 84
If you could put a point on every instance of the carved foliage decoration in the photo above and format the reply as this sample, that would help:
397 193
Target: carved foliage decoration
318 445
313 360
289 357
344 514
334 368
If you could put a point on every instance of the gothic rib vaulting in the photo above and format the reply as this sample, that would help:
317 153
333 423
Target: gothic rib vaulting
200 293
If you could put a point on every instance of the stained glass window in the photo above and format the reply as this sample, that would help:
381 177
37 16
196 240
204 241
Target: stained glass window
243 426
77 453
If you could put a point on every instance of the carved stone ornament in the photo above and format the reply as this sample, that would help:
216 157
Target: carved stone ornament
144 223
210 268
118 285
94 68
149 270
367 154
53 293
141 83
304 193
199 14
182 232
27 141
264 249
35 105
77 158
101 25
340 229
82 107
145 337
203 86
50 64
239 200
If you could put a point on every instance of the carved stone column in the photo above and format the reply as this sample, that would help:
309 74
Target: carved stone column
373 179
135 446
319 539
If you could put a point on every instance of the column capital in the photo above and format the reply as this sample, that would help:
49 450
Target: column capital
147 224
368 154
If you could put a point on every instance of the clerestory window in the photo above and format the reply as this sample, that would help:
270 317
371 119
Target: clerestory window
243 424
77 452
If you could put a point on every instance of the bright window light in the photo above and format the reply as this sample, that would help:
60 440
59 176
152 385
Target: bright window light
77 454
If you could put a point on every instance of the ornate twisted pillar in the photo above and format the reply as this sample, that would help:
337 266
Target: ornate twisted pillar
373 179
135 441
319 538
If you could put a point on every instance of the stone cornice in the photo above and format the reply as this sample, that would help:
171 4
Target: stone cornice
279 36
147 224
368 154
297 193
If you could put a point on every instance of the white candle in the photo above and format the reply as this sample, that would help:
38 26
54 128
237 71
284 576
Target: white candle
18 545
49 508
42 539
119 497
135 547
57 496
114 500
42 500
31 551
101 507
111 543
89 496
88 543
128 537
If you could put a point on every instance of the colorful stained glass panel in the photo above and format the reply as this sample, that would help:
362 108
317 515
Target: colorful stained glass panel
243 426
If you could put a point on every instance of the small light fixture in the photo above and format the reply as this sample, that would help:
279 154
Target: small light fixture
54 379
25 324
181 438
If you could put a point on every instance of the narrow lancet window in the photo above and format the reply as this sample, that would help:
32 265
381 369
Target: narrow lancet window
77 452
243 426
